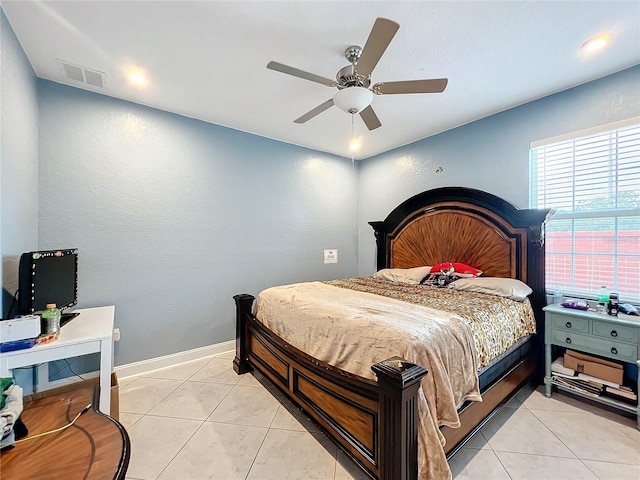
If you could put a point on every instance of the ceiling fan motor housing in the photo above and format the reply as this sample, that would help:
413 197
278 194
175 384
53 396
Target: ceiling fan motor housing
349 77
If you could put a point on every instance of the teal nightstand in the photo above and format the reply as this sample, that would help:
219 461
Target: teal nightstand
615 338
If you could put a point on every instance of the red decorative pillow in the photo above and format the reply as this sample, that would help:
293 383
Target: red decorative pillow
460 269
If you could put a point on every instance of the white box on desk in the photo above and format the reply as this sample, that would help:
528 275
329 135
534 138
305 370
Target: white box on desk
15 329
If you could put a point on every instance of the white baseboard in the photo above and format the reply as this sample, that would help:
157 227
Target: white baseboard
146 366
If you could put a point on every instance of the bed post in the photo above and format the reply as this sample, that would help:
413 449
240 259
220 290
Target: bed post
536 280
244 303
398 382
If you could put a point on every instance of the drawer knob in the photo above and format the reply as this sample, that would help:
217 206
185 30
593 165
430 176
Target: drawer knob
614 350
568 325
568 340
614 333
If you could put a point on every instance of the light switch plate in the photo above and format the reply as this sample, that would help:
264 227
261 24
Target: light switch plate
331 255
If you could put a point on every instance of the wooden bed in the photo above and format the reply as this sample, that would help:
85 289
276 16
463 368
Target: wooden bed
375 422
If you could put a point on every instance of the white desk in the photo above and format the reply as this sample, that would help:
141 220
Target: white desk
90 332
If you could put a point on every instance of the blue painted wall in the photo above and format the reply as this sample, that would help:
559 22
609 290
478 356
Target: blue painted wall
18 160
173 216
491 154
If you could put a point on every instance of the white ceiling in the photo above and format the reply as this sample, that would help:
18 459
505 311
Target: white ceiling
207 59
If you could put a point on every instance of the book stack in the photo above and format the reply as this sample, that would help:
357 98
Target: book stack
589 385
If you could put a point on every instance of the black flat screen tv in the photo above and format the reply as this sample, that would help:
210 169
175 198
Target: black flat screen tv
48 276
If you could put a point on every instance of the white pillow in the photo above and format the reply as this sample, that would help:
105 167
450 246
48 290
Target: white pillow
501 287
412 276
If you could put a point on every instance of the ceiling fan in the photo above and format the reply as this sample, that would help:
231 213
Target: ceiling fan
353 81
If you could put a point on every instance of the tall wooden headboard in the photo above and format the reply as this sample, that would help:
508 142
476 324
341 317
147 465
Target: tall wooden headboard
459 224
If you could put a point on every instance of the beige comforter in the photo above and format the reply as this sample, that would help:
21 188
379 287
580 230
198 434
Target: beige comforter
353 330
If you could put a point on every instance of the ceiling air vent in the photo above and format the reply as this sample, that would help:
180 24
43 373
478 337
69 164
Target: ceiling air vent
86 76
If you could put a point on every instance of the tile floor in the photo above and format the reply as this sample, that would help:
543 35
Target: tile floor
193 421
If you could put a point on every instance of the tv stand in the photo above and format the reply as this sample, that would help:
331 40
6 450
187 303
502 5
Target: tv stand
67 317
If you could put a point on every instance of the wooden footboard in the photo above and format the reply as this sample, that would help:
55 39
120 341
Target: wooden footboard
375 423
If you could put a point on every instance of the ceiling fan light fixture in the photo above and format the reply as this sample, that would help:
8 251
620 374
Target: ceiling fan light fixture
353 99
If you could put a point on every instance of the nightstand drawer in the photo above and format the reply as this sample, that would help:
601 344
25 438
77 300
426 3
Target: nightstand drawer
599 346
618 332
573 324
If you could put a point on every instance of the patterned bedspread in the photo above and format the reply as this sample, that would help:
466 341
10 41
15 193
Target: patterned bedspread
355 323
496 322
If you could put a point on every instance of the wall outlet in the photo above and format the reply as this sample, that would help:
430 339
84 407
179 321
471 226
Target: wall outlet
116 334
331 255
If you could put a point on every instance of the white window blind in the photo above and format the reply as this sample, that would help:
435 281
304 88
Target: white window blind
592 180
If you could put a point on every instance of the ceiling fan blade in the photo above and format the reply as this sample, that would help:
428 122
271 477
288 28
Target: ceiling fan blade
316 111
379 39
279 67
434 85
370 118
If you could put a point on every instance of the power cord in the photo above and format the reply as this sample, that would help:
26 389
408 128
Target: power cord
13 302
85 409
72 370
68 365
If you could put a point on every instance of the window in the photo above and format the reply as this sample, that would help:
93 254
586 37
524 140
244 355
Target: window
592 180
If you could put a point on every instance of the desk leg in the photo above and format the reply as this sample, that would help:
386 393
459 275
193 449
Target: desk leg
5 372
106 365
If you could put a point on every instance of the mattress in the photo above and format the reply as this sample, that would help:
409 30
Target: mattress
355 323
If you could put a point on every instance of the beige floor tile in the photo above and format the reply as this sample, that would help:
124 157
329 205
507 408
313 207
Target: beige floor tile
217 370
519 431
478 441
613 471
513 402
195 400
246 406
181 371
128 419
230 355
536 400
155 441
630 429
289 455
347 470
475 464
537 467
273 390
217 451
124 381
289 417
143 394
525 391
591 437
249 380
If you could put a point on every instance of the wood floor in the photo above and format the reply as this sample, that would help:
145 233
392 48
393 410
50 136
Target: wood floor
94 448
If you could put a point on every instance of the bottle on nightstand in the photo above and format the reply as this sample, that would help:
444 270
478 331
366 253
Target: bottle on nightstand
612 307
603 299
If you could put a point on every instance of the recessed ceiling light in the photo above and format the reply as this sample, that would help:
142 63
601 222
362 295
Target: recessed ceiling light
596 43
355 144
137 78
